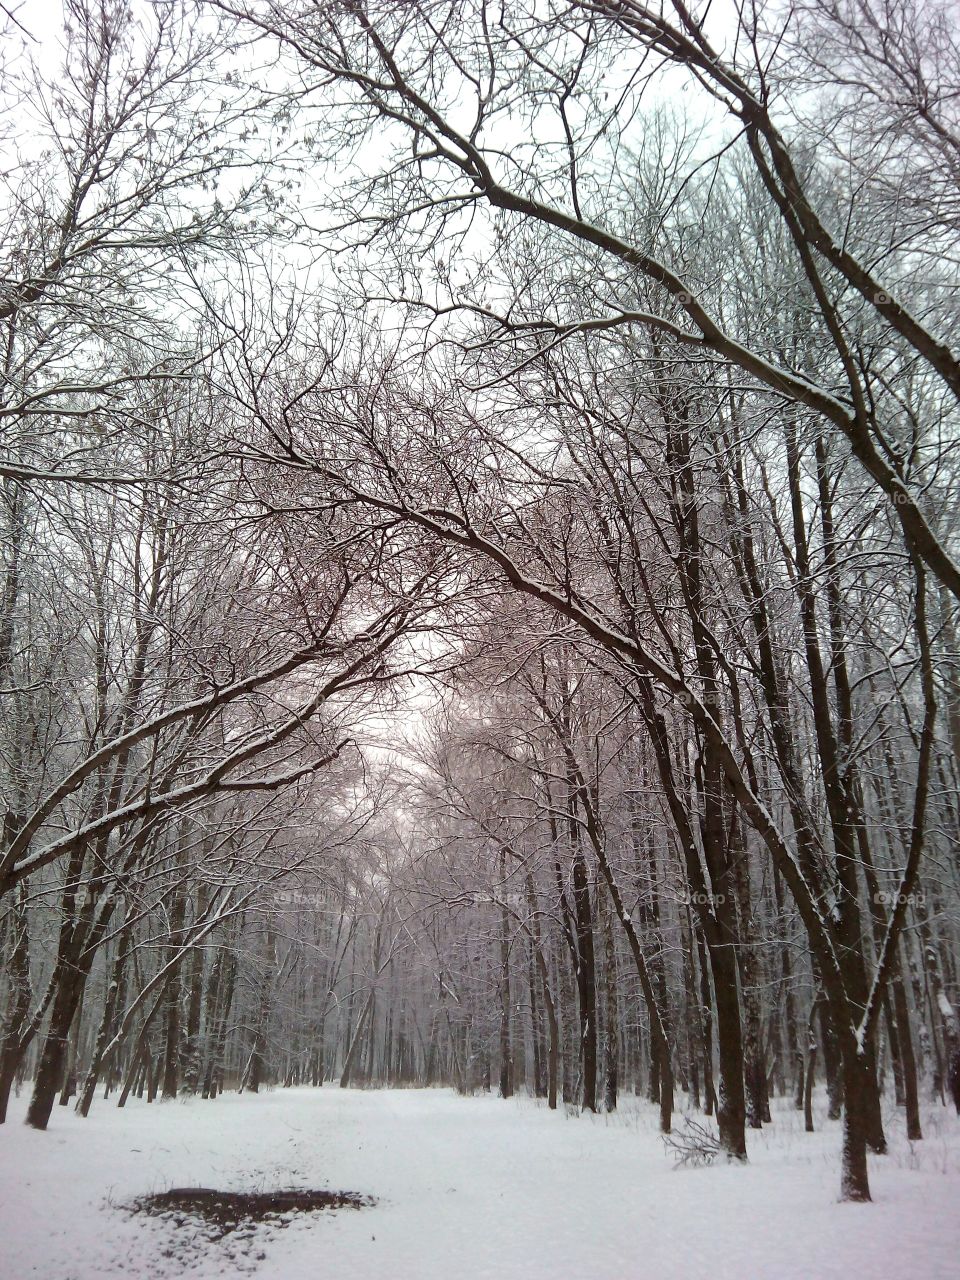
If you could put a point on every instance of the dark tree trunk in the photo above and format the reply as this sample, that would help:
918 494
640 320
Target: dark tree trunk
909 1063
611 1042
53 1055
353 1048
831 1062
18 977
586 979
706 1027
171 1033
754 1067
859 1085
506 1051
808 1086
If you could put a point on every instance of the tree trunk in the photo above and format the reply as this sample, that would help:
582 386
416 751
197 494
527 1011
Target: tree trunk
355 1042
506 1052
18 977
53 1054
808 1086
858 1084
611 1043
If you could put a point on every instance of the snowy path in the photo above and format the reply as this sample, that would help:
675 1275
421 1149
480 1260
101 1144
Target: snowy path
467 1187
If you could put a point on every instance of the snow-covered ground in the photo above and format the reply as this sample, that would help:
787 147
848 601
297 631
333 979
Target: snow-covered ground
469 1188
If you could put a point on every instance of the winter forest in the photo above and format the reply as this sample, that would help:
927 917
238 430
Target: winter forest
479 661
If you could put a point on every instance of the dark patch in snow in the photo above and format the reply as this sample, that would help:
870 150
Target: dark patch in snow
228 1211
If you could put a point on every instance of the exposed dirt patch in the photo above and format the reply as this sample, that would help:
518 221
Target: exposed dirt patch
227 1211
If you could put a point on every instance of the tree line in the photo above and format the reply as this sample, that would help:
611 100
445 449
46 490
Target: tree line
480 587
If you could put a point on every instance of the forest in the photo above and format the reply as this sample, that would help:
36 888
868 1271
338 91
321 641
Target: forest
480 538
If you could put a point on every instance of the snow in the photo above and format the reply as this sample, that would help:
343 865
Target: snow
466 1187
